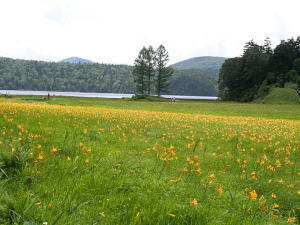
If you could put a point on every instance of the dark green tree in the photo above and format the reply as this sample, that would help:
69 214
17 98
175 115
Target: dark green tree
296 65
150 67
163 73
267 48
255 63
140 71
284 55
231 81
240 78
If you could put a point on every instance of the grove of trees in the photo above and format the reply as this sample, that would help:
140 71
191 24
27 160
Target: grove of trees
260 68
151 73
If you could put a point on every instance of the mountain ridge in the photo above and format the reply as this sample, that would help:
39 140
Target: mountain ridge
76 60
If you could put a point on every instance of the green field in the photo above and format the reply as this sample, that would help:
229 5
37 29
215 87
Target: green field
103 161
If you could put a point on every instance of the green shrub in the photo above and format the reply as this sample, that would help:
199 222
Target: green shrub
263 90
138 97
291 85
148 98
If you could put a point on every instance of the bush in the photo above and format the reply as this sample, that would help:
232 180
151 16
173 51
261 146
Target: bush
292 75
263 90
5 96
249 95
291 85
148 98
138 97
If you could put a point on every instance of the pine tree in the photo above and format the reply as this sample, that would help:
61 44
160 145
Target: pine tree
150 67
140 71
163 72
268 46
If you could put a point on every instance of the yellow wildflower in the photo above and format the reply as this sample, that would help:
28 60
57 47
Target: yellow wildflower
292 220
212 176
194 202
273 195
220 190
253 194
54 150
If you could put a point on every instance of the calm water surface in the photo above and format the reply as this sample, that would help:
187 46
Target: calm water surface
97 95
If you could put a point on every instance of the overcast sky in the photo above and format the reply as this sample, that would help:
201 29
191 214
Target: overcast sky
113 31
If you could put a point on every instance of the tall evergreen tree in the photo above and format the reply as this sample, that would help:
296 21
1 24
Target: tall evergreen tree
163 72
150 67
140 71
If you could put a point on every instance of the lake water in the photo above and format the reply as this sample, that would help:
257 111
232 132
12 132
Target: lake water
98 95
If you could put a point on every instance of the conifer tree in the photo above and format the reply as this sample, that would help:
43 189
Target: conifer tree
140 71
150 67
267 46
163 72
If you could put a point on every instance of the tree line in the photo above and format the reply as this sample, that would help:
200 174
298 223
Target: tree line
16 74
260 68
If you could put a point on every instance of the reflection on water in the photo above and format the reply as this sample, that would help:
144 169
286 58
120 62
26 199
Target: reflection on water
97 95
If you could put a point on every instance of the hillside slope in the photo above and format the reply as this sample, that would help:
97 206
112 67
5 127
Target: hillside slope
32 75
204 64
280 95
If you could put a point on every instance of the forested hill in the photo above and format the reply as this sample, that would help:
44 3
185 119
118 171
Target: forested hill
16 74
204 64
49 76
77 60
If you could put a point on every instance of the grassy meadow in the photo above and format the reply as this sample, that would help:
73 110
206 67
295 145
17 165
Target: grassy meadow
103 161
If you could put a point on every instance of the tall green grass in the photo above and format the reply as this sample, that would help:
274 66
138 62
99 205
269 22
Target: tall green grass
103 165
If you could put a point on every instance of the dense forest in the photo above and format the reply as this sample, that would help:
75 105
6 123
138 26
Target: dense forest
260 69
18 74
185 82
50 76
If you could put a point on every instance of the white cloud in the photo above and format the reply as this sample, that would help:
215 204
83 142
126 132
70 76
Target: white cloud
113 31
